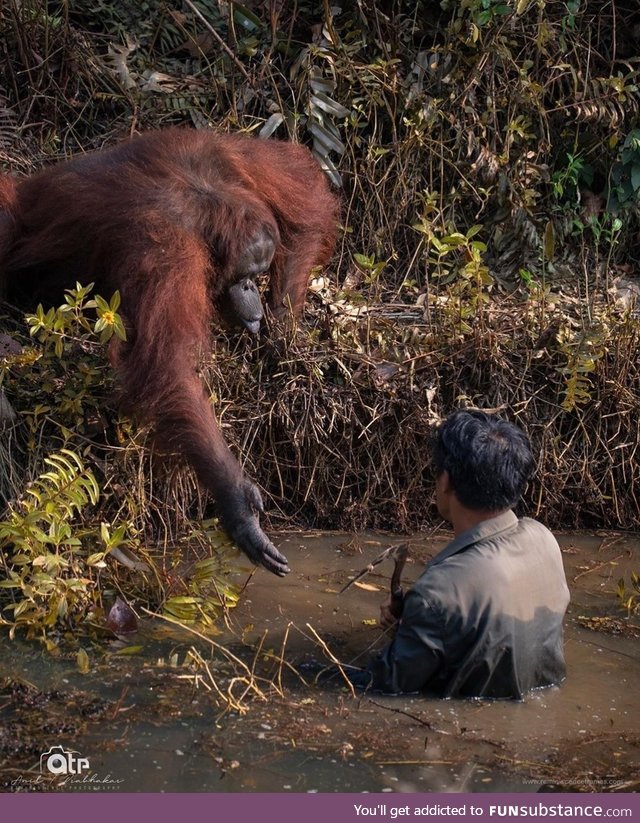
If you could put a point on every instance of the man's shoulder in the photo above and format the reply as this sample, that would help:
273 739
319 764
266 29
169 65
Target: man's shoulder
528 536
525 538
534 527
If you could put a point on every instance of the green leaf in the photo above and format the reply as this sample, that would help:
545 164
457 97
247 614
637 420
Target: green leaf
101 303
118 328
246 18
363 260
96 559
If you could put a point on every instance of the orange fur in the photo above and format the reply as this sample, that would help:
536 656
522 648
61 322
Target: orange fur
163 217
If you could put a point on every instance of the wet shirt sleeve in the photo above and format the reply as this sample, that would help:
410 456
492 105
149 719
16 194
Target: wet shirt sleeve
415 655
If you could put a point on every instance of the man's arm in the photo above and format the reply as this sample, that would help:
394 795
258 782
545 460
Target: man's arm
416 653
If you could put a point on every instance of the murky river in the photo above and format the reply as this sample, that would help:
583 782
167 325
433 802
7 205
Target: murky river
149 722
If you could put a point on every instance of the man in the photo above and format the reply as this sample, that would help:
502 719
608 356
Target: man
485 617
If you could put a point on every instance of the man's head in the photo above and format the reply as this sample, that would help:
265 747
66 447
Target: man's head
487 462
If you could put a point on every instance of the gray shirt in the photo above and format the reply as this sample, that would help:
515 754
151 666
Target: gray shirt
485 617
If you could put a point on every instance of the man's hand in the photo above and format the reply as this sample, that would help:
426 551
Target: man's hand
391 609
387 618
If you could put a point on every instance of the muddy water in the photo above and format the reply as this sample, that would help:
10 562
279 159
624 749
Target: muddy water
159 729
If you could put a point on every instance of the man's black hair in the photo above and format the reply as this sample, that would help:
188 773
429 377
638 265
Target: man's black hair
488 459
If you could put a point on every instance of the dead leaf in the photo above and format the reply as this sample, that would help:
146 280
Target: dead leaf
368 587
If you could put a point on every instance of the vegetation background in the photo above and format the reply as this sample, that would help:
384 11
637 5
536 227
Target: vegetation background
488 157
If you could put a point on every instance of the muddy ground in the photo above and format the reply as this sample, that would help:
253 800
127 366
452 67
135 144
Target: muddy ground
149 718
